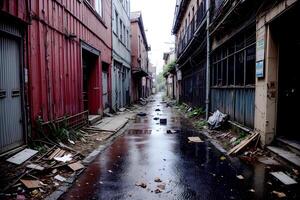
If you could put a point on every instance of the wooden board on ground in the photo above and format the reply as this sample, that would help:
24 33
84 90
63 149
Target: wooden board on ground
268 161
22 156
282 177
36 167
195 139
76 166
30 184
243 144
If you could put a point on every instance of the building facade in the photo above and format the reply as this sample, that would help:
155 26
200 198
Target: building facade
56 63
139 58
121 70
189 29
251 65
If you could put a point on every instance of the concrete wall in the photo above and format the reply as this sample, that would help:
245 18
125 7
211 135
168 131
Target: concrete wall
266 90
121 70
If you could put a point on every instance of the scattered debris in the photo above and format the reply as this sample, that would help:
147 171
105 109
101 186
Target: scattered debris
282 177
141 184
71 141
157 179
155 118
60 178
157 190
171 131
268 161
222 158
109 171
217 119
65 158
122 109
163 121
162 186
76 166
30 184
243 144
240 177
195 139
36 167
22 156
279 194
142 114
252 190
157 110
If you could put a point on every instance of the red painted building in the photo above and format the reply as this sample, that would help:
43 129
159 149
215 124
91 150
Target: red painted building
63 49
139 58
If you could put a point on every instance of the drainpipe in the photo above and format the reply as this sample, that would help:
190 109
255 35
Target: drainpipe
207 59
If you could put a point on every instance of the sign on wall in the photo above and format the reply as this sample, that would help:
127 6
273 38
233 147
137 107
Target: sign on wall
260 54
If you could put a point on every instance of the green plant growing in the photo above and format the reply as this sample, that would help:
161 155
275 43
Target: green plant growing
200 124
196 112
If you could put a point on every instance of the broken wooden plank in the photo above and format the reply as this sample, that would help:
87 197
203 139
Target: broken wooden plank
243 144
268 161
282 177
36 167
54 153
76 166
30 184
22 156
195 139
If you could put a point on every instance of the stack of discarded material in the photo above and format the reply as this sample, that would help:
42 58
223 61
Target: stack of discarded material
41 172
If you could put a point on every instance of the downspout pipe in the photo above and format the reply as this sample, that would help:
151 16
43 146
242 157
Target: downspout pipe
207 59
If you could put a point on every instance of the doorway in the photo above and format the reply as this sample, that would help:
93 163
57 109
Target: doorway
12 117
89 62
287 34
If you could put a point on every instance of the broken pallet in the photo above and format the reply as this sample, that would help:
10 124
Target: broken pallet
243 144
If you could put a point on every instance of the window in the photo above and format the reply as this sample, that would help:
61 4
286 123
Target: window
116 23
127 38
121 31
233 64
98 7
124 39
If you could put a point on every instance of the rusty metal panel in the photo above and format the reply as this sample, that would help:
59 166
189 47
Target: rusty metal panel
55 56
16 8
238 103
11 128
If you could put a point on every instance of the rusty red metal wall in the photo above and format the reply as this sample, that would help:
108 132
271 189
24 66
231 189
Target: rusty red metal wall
55 59
16 8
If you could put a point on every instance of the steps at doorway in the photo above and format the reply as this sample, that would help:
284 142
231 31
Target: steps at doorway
93 119
292 145
285 156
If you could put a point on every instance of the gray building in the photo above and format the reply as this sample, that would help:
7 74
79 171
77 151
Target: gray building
121 73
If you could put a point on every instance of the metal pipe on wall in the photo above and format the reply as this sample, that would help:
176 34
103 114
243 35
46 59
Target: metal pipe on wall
207 59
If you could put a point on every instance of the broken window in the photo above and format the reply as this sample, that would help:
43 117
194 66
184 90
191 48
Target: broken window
233 64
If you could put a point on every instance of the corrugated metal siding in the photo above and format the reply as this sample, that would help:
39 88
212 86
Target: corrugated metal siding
17 8
55 61
237 102
11 129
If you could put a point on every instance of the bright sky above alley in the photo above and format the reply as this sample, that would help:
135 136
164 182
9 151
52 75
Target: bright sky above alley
158 19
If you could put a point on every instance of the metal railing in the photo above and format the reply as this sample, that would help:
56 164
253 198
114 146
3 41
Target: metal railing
196 21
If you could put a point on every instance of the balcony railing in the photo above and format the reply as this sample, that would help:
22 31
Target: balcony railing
196 21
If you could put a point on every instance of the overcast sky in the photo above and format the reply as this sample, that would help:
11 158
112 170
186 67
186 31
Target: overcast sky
158 19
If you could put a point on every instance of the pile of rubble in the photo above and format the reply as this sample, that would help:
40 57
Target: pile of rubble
32 174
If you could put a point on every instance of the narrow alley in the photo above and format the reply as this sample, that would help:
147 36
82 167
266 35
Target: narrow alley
150 162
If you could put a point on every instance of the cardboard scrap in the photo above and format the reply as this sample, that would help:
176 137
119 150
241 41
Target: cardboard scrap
60 178
36 167
30 184
279 194
76 166
194 139
22 156
65 158
282 177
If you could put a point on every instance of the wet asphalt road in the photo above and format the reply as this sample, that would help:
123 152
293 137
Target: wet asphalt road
146 151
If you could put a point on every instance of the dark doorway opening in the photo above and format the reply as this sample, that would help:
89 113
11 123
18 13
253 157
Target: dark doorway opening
287 34
89 62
